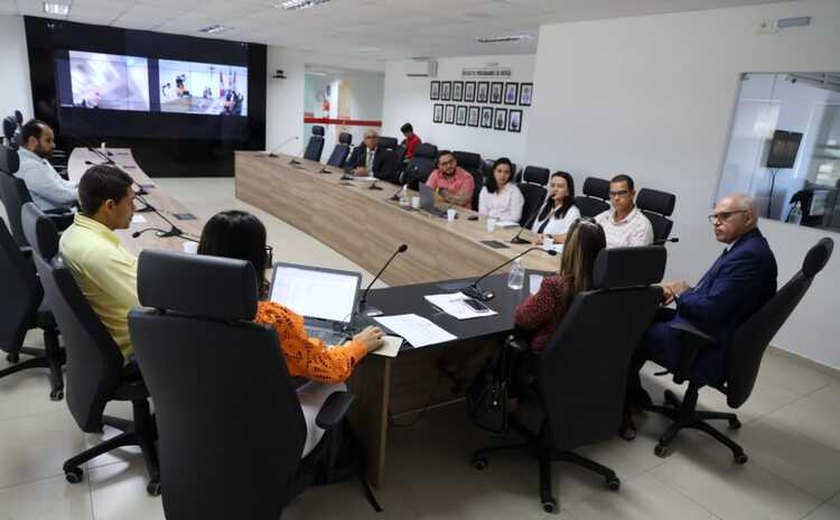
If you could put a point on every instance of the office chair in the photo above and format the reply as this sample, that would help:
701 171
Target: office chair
472 163
342 149
10 127
22 308
595 198
96 373
390 143
532 185
315 146
657 206
420 166
18 117
580 377
232 431
743 359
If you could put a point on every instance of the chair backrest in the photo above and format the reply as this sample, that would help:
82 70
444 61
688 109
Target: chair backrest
751 339
20 296
9 160
534 196
13 193
387 142
657 206
94 362
515 175
472 163
231 431
596 194
581 375
19 117
421 165
339 155
10 126
315 147
535 175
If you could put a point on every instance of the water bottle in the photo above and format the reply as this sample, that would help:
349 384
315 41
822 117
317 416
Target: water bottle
516 278
404 201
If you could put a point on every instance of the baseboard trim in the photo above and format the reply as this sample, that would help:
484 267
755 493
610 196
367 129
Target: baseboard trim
819 367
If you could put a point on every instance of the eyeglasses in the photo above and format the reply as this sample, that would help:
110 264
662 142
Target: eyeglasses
723 216
620 193
446 163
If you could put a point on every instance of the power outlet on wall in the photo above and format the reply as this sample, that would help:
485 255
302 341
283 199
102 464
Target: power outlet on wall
768 26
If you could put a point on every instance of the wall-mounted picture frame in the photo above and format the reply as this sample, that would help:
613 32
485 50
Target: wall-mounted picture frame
434 90
437 116
500 117
469 92
486 117
449 115
473 115
461 115
526 94
457 91
445 90
515 121
482 93
511 93
496 92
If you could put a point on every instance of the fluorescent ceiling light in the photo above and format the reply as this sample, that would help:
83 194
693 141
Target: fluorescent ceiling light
213 29
56 8
291 5
503 39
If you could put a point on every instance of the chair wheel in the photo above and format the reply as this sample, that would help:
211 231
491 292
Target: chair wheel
741 458
662 451
13 358
613 483
480 463
734 423
153 488
57 394
550 505
73 476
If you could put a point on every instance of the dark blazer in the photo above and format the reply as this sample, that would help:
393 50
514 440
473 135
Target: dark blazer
383 161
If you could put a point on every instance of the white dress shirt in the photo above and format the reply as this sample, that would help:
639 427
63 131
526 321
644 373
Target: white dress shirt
504 205
632 231
556 226
48 189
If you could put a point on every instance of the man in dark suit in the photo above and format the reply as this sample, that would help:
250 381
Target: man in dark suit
737 285
371 159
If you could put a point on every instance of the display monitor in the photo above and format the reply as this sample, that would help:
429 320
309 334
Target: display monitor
107 81
202 88
783 149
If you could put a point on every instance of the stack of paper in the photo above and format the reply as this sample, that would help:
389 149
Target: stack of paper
417 330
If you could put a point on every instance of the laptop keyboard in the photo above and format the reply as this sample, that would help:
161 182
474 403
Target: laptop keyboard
329 337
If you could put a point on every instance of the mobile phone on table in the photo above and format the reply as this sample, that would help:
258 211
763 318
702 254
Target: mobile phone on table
475 305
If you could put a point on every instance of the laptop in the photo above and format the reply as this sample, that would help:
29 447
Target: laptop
326 298
427 201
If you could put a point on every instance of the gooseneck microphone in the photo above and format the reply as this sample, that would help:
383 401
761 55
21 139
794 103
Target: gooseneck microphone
528 224
110 162
474 291
174 231
273 153
663 241
363 307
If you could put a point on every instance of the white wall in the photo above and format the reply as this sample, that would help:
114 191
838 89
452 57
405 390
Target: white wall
15 89
653 96
407 100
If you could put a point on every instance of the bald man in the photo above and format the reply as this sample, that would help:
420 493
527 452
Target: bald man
370 159
738 284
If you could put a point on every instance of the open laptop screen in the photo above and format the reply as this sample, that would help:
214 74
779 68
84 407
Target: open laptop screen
316 293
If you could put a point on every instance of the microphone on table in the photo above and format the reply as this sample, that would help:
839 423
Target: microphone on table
474 291
528 224
663 241
174 231
104 157
363 307
273 152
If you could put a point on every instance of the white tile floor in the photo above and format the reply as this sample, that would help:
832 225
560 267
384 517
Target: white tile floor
790 431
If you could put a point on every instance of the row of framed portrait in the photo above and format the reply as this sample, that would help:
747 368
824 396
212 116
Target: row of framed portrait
485 117
496 92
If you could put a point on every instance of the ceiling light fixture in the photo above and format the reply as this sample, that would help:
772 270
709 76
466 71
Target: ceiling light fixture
503 39
213 29
56 8
292 5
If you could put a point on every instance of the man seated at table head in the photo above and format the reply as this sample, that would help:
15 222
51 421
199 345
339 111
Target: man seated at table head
624 224
370 159
740 281
105 272
454 184
411 140
48 190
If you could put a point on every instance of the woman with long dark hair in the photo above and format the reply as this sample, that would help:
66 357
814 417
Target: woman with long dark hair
499 197
559 210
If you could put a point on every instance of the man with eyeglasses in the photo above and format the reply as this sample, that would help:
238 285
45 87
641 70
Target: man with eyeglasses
452 183
370 159
624 225
739 283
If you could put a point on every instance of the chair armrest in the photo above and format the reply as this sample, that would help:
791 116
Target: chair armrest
334 409
698 335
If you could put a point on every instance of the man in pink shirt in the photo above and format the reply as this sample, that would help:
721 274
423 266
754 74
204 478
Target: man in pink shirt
454 184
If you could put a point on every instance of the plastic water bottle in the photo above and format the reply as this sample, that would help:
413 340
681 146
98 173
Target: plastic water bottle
516 277
404 200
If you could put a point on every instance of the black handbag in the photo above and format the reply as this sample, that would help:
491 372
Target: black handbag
487 396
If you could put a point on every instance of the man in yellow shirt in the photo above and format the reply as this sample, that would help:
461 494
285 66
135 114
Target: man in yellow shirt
105 272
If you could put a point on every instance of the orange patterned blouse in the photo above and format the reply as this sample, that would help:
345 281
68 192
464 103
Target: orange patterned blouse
309 357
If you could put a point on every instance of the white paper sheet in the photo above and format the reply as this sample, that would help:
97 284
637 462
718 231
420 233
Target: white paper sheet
454 304
506 224
391 347
417 330
534 282
138 219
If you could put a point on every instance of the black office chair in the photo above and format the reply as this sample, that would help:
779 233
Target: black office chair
743 359
532 185
315 146
19 117
580 377
472 163
95 370
387 142
420 166
231 427
342 149
22 308
595 198
10 127
657 206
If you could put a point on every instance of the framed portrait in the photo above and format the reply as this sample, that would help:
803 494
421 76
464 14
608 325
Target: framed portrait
486 117
438 113
482 94
496 92
511 93
445 90
472 116
461 115
469 92
526 93
457 91
515 121
500 117
449 114
434 90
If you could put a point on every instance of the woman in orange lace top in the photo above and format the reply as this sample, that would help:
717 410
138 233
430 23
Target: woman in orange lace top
240 235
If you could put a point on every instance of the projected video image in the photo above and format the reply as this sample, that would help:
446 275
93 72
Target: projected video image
109 81
203 88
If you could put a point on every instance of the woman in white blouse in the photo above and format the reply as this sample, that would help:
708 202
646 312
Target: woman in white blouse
499 198
559 210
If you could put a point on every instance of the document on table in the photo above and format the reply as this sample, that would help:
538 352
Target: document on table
506 224
417 330
138 219
391 347
455 304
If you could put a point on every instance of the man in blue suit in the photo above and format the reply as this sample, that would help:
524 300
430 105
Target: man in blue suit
738 284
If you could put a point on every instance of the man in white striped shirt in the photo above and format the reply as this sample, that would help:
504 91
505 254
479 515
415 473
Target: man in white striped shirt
624 224
48 190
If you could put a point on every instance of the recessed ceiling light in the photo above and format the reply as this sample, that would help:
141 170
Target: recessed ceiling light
291 5
503 39
213 29
56 8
